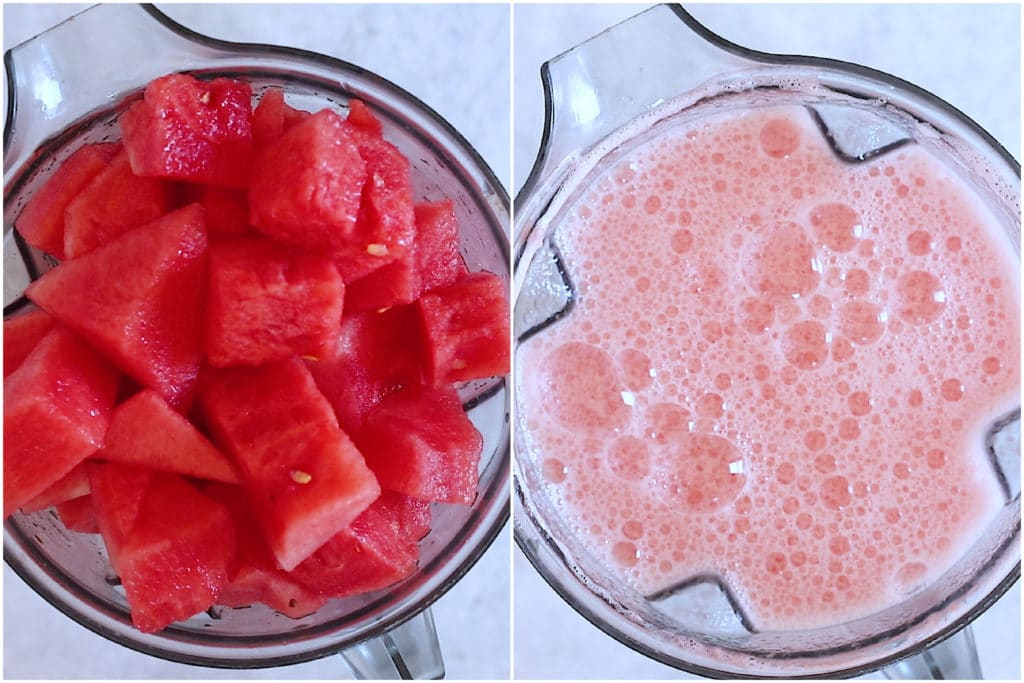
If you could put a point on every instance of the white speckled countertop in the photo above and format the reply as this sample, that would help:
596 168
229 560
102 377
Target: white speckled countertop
455 59
967 55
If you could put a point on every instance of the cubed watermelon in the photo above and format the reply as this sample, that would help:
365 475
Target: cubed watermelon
41 222
273 117
192 130
226 208
379 548
384 229
266 302
180 539
77 515
113 203
438 260
302 473
306 185
56 411
376 354
117 492
466 329
21 334
139 301
74 484
419 441
360 116
146 432
254 576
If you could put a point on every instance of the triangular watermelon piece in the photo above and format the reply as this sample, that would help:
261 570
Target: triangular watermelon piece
438 260
117 492
360 116
226 208
41 222
146 432
74 484
139 301
272 117
77 515
303 475
419 441
21 334
379 548
180 539
56 412
376 354
113 203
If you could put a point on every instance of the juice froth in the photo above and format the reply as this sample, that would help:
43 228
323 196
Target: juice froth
779 368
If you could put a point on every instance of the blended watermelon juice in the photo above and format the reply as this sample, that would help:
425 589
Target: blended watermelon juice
780 368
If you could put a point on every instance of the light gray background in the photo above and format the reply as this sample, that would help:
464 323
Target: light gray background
453 58
967 55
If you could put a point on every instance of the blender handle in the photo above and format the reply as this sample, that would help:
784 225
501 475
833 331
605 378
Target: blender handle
622 73
955 658
408 651
98 55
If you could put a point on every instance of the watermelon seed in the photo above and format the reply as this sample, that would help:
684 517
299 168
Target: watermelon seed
310 358
377 249
458 364
300 477
205 97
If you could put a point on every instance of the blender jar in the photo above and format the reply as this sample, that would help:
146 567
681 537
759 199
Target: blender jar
597 106
66 88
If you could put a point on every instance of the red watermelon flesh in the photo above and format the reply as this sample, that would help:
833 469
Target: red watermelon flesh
306 185
192 130
254 574
113 203
266 302
56 411
438 261
272 117
180 539
376 354
384 229
360 116
117 492
74 484
41 222
226 209
394 284
466 329
419 441
379 548
303 475
77 515
21 334
146 432
139 301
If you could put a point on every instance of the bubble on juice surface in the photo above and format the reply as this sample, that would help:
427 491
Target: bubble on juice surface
805 345
910 577
705 472
756 315
628 458
836 492
779 137
952 389
583 389
554 470
838 226
710 405
636 369
781 263
920 297
857 282
664 420
862 322
919 242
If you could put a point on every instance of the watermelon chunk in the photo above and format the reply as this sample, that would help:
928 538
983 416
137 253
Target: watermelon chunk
21 334
77 515
266 302
254 574
146 432
438 261
139 301
466 329
56 411
273 117
192 130
180 539
384 229
360 116
74 484
41 222
113 203
117 492
379 549
306 185
303 475
376 354
419 441
226 209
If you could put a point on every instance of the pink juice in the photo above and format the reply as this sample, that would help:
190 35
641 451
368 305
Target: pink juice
779 370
